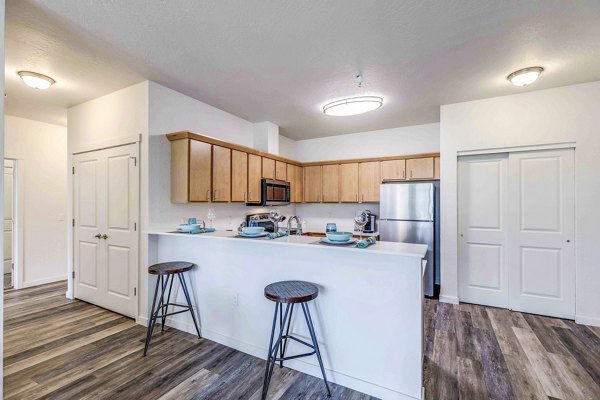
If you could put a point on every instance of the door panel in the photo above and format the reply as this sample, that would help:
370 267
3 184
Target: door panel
239 176
541 220
106 193
331 183
482 271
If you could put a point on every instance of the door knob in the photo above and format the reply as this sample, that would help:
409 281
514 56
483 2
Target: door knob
98 236
104 236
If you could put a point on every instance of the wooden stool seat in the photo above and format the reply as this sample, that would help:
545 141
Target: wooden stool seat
291 292
172 267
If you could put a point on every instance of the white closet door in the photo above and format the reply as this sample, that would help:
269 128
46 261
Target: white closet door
482 205
106 187
541 232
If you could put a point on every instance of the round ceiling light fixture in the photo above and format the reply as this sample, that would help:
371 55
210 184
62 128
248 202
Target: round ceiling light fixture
35 80
525 76
352 106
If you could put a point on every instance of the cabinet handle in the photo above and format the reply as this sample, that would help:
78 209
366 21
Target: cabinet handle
403 174
411 174
215 196
356 197
208 195
245 197
250 195
362 199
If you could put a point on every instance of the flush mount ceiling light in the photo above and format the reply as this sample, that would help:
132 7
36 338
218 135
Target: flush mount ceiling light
353 106
525 76
35 80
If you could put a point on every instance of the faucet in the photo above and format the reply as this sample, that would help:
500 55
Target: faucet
298 225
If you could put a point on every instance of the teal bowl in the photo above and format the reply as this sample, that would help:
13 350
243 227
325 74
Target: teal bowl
339 236
253 230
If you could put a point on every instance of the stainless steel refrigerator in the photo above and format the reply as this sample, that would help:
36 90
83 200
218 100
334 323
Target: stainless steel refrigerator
409 213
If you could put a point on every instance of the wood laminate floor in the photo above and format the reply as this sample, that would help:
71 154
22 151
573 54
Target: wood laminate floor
61 349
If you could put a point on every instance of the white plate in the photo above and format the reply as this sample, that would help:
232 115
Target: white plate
254 236
349 241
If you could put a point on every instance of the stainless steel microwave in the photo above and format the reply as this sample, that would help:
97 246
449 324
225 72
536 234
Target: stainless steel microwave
274 193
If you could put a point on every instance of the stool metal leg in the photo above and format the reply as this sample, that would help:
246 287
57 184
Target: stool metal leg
285 341
155 311
273 349
166 305
189 302
311 329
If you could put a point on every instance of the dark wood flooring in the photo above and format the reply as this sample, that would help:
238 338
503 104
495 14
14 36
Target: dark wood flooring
61 349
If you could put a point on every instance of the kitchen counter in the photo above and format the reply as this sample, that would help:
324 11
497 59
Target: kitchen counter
368 315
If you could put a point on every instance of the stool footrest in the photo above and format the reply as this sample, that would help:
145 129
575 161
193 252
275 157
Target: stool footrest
172 313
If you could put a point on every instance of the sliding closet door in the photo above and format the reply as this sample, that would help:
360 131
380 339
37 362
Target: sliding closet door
541 232
482 231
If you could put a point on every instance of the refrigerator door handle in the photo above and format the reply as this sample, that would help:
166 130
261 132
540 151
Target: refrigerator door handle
431 201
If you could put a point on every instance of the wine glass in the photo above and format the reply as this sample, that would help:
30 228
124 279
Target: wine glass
274 218
360 219
210 216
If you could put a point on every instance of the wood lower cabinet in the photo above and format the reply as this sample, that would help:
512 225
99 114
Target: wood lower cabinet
268 168
239 176
349 183
436 168
393 170
221 164
254 178
295 176
331 183
368 181
420 168
312 184
281 171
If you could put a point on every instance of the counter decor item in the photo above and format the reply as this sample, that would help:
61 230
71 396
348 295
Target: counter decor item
275 235
194 229
331 227
364 243
339 236
252 230
361 219
328 241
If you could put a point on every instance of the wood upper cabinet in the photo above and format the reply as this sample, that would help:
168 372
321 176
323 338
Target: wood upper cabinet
368 181
393 170
268 168
295 176
312 184
331 183
436 168
281 171
349 183
190 171
254 178
239 176
420 168
221 164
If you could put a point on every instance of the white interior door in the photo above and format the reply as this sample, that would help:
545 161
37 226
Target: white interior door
541 234
8 221
482 205
106 191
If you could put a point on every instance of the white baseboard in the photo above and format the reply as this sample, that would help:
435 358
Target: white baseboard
583 320
449 299
298 364
44 281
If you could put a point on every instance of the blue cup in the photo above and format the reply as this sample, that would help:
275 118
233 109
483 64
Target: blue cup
253 222
192 221
331 227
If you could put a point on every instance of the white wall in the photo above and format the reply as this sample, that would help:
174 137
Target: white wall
116 117
387 142
287 148
1 182
41 153
566 114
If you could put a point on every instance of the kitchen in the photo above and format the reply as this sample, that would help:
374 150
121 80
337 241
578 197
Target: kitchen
422 200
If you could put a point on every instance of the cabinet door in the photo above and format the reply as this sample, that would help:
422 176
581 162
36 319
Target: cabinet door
312 184
239 176
221 174
349 183
281 171
295 176
331 183
436 168
420 168
254 177
393 170
368 181
200 171
268 168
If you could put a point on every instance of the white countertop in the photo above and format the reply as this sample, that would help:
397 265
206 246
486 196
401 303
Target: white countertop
392 248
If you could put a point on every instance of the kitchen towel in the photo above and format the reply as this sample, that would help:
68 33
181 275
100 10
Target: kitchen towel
275 235
366 242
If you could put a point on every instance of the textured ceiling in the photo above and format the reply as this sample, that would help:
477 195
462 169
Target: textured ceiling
281 60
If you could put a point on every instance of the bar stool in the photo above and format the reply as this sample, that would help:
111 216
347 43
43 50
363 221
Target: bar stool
168 270
290 293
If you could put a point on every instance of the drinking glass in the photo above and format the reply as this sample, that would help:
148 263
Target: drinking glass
360 219
210 216
274 218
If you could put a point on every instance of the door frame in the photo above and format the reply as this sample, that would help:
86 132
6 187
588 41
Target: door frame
518 149
101 145
18 220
